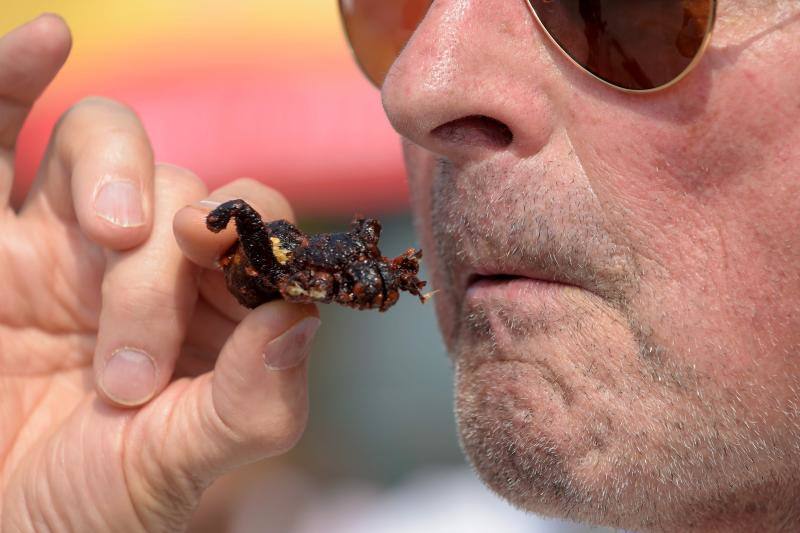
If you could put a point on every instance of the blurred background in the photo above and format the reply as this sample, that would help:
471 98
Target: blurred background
268 89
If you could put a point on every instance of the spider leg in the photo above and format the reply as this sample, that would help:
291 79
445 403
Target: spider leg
406 268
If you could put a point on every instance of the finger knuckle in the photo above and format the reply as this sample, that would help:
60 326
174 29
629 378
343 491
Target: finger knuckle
93 104
263 436
150 300
285 429
96 120
166 495
173 175
267 199
250 184
255 189
273 431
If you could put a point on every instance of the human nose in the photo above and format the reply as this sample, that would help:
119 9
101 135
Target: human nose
474 80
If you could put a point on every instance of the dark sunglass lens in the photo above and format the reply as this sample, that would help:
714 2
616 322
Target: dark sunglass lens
379 29
637 45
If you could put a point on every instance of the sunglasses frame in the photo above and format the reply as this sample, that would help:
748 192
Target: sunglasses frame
698 56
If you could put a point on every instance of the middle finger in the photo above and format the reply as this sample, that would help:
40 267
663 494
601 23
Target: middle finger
149 296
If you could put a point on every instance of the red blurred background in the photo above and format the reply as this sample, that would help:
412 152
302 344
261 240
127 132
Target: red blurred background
228 89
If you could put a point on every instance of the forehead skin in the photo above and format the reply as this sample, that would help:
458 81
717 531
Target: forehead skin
660 391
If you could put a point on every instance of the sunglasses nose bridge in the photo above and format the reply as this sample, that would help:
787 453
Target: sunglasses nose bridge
453 34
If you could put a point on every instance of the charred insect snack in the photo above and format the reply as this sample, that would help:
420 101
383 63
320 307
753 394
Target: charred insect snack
275 259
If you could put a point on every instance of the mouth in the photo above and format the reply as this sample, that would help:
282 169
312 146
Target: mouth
482 279
513 287
478 282
509 310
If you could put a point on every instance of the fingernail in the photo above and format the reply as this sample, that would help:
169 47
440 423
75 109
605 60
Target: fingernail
205 205
120 202
129 377
209 204
293 346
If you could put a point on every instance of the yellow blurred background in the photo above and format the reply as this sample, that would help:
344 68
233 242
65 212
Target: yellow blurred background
263 89
104 27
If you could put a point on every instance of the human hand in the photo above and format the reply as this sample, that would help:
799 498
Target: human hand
129 377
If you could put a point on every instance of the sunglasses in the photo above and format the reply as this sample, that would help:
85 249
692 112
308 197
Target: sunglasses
632 45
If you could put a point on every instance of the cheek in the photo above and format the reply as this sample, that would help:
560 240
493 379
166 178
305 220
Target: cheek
420 169
704 196
702 138
421 166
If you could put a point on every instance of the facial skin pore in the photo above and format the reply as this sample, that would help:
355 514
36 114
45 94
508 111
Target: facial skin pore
649 380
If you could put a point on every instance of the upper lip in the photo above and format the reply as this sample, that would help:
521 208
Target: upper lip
513 219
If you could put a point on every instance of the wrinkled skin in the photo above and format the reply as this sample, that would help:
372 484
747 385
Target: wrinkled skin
85 278
619 274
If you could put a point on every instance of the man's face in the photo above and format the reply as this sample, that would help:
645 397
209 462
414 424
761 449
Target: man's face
619 273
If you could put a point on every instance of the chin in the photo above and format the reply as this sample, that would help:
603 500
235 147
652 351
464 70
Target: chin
517 430
536 402
630 452
561 416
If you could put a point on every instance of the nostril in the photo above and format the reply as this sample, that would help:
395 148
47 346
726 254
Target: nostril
475 130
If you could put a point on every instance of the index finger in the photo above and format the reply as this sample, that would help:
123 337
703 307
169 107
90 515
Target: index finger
97 171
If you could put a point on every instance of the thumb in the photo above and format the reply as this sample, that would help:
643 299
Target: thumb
252 406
